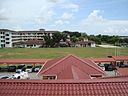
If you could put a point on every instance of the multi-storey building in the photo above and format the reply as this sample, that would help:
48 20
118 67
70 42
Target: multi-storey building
9 38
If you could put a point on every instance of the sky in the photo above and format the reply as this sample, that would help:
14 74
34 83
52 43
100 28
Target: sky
106 17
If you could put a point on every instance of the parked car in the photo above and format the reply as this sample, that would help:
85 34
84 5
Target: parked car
12 68
4 77
21 67
4 69
21 75
123 66
36 68
29 68
109 67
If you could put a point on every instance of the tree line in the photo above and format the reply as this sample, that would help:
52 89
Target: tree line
73 37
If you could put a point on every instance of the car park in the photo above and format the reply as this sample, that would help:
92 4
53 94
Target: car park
4 77
37 68
4 69
21 75
29 68
21 67
12 68
109 67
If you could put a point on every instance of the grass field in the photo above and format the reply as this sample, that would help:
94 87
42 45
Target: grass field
59 52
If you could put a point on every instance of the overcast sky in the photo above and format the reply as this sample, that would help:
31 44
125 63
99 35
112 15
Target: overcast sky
91 16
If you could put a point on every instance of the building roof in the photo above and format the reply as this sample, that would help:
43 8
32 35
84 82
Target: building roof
23 61
6 30
71 67
99 60
122 71
38 31
96 87
30 42
120 58
84 42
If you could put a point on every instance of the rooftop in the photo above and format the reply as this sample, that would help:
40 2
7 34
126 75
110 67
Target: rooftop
99 60
96 87
120 58
122 71
22 61
71 67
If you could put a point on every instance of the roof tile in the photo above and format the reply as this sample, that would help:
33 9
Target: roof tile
64 88
71 67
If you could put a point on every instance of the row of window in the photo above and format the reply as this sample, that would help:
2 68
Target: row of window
2 32
4 41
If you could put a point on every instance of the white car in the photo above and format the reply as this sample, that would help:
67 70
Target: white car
29 68
21 75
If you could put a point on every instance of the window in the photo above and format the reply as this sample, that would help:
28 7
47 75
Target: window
2 40
2 45
7 38
2 36
49 77
95 76
1 32
7 42
7 34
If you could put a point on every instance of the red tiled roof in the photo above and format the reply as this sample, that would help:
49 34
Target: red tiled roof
122 71
71 67
22 61
120 58
96 87
99 60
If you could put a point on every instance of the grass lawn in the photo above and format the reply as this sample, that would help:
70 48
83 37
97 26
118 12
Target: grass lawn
59 52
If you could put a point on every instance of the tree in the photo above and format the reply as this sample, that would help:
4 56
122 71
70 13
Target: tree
74 39
48 41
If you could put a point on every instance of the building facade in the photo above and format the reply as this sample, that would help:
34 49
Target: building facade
9 38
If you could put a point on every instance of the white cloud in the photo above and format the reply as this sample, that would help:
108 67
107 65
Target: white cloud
67 16
64 19
96 24
59 22
73 7
30 9
44 16
56 1
2 17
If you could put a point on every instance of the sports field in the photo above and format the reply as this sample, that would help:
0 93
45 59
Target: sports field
59 52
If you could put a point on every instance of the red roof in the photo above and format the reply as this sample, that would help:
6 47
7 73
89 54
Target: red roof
120 58
122 71
99 60
71 67
23 61
96 87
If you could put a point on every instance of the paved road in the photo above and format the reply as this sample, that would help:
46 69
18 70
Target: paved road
32 75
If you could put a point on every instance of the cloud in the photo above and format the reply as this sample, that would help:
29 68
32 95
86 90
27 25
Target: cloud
56 1
96 24
73 7
20 13
44 15
2 17
67 16
61 22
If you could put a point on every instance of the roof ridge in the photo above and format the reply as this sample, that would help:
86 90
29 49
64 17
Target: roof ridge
89 64
41 68
65 81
